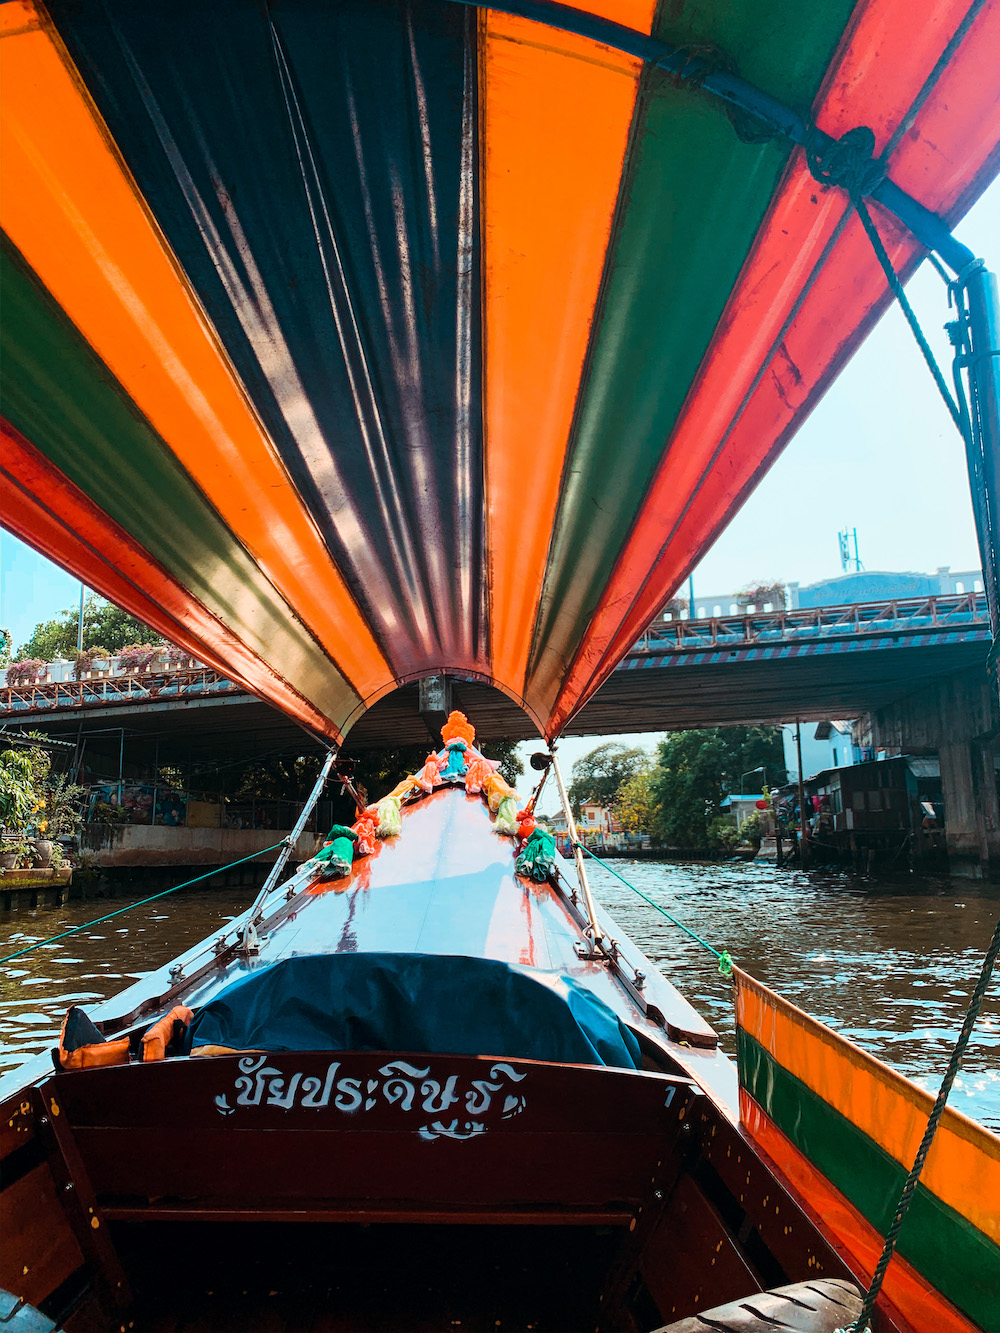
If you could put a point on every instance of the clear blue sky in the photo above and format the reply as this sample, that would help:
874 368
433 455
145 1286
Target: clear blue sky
879 453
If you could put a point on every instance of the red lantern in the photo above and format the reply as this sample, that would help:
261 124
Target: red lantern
761 805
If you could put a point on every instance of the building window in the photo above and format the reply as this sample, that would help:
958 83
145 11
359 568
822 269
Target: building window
716 610
702 612
959 586
733 608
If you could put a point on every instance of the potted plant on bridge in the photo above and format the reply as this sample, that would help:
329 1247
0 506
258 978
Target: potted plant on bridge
136 658
89 660
759 596
29 671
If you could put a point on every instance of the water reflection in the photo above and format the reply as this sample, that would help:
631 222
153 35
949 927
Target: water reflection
890 966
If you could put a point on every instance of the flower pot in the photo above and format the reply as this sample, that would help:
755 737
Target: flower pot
43 851
8 860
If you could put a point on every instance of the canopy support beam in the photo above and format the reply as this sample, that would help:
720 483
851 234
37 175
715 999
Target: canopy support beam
976 334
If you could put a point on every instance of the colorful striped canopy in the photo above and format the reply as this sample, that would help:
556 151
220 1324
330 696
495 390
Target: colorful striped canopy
353 341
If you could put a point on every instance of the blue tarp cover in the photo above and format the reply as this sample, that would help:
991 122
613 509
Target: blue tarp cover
415 1002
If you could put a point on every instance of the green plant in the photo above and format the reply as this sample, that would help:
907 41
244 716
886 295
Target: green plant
599 774
106 813
752 830
22 847
17 789
696 769
722 834
103 623
633 804
61 808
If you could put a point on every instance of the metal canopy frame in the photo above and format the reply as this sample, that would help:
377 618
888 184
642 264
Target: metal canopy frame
699 71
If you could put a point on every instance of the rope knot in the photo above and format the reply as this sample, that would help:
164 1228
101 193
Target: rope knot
847 161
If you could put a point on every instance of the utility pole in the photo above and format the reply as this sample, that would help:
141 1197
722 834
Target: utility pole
691 615
79 624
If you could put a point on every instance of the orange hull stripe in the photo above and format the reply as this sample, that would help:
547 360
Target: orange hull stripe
556 112
915 1299
963 1167
72 210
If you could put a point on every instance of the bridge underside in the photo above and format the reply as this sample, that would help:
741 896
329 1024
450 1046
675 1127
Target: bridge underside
649 692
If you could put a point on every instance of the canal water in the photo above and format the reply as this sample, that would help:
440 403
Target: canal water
891 965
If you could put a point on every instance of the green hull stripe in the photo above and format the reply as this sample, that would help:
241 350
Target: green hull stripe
945 1248
62 399
689 211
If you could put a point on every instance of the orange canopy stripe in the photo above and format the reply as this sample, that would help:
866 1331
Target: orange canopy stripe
42 507
685 502
555 117
75 214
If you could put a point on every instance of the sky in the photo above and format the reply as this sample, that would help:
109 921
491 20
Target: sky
879 454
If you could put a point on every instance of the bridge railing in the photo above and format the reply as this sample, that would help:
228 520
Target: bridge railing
136 688
940 612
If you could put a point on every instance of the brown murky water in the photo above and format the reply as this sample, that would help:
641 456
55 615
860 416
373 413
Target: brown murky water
889 965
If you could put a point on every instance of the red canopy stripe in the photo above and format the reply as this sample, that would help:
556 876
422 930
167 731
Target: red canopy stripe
699 486
48 512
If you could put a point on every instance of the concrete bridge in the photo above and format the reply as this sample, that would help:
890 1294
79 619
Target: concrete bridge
913 671
754 668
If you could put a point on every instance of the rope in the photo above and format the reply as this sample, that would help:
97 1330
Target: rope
909 1188
725 962
897 290
142 901
848 163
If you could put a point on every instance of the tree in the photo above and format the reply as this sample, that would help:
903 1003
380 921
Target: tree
695 769
599 774
5 642
634 804
104 625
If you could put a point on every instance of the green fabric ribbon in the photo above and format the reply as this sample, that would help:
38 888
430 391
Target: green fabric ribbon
538 858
